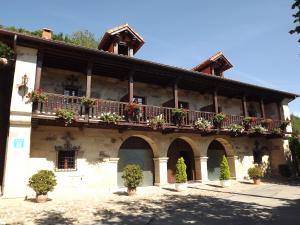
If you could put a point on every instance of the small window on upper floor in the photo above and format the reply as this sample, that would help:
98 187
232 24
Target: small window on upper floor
122 49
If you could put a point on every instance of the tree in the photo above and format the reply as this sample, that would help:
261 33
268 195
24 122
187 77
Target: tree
296 6
83 38
224 169
181 176
295 120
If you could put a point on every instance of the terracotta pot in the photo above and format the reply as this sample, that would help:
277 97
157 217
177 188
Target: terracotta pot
131 191
41 198
181 186
256 181
225 183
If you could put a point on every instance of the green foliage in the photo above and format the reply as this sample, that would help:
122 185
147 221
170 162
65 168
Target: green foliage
296 5
84 38
294 144
258 129
202 124
178 115
6 51
87 101
224 169
255 172
132 176
284 170
219 117
42 182
66 115
236 128
157 122
181 176
37 96
295 124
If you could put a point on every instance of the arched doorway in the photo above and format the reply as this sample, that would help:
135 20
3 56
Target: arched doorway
180 148
136 150
215 153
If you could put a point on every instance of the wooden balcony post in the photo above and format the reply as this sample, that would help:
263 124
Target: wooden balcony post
130 86
38 72
279 107
175 93
244 103
262 108
215 101
89 79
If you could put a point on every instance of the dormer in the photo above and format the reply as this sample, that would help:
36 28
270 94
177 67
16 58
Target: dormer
215 65
121 40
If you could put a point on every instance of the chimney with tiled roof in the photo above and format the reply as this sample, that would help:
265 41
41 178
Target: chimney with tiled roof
215 65
122 40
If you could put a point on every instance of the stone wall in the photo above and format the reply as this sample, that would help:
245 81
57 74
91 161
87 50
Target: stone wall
95 173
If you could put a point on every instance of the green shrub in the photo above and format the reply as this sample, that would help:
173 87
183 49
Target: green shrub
219 117
42 182
132 176
180 176
255 172
284 170
224 169
87 101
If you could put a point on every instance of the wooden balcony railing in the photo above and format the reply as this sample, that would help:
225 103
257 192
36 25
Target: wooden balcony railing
146 112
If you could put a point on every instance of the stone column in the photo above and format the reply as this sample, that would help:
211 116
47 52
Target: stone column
113 173
233 165
18 144
201 169
161 171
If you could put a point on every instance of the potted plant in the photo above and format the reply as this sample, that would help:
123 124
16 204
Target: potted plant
277 132
283 125
42 182
36 96
132 111
258 129
248 121
133 177
217 120
178 116
110 117
224 173
157 122
202 124
181 176
66 115
235 129
255 173
87 103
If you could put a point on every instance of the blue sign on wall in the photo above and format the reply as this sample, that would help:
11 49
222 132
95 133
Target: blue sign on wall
19 143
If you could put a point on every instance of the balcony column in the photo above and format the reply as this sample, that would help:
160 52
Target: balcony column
175 93
215 101
244 103
262 108
130 86
161 171
38 73
89 79
279 108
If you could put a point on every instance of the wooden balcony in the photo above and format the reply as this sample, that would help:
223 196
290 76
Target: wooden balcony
91 116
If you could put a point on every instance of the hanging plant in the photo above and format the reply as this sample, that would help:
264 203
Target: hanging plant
37 96
66 115
157 122
179 115
202 124
217 120
87 102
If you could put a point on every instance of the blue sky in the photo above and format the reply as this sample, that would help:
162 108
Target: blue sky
252 34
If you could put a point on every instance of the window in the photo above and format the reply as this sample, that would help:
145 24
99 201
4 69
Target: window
183 105
122 49
71 91
139 100
66 160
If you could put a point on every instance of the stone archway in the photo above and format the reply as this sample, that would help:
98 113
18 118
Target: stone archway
215 152
136 150
180 148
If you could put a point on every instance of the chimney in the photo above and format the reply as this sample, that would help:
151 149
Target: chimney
47 34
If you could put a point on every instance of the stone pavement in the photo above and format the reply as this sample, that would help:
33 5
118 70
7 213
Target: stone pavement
242 203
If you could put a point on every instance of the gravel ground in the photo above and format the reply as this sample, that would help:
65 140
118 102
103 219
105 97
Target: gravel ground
241 203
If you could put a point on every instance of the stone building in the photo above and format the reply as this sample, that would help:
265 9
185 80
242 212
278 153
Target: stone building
88 154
